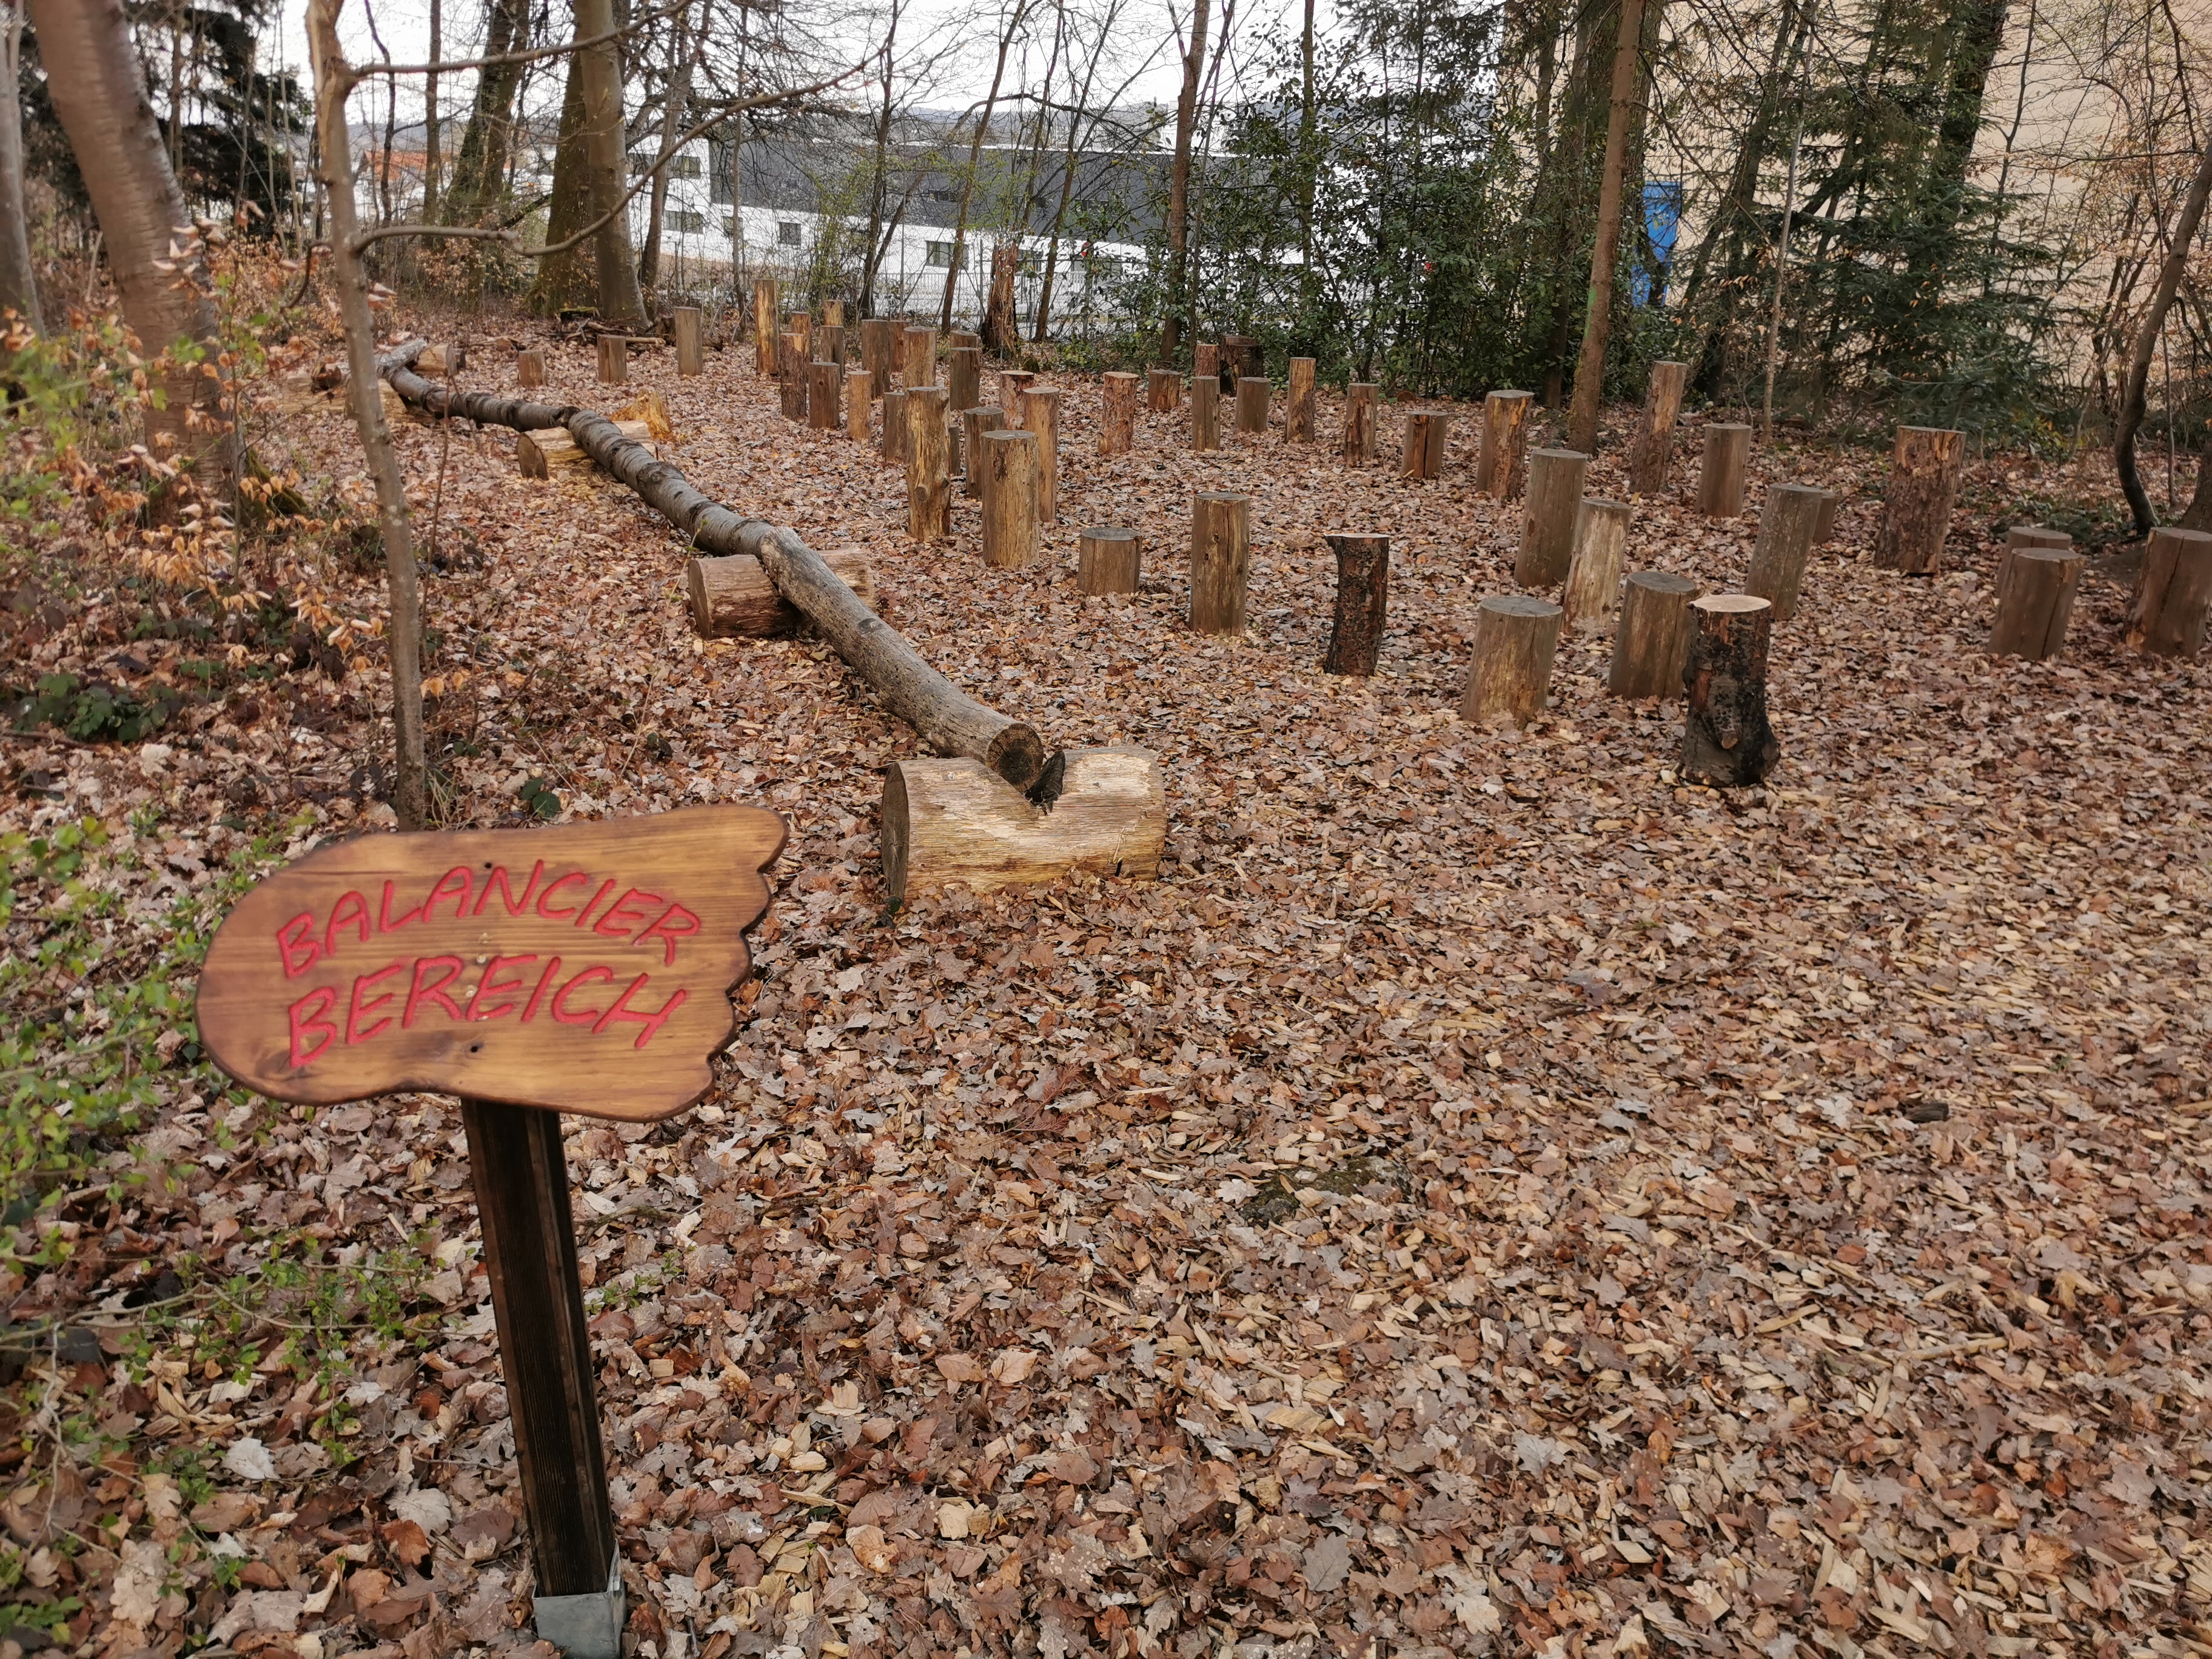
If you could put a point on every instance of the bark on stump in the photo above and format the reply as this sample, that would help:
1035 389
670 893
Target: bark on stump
732 596
974 423
614 359
1298 407
1550 519
963 378
1500 464
1009 463
919 368
1651 451
1220 560
945 821
1510 669
2027 535
876 356
2035 602
1421 454
2167 617
1358 445
1726 740
1163 390
1363 604
895 426
1252 404
1915 513
1041 415
857 402
765 329
530 368
1652 644
1601 552
929 494
1721 470
823 382
1787 522
1013 382
1107 560
1205 414
1117 424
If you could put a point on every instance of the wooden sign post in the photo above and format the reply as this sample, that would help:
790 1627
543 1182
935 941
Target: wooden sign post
584 969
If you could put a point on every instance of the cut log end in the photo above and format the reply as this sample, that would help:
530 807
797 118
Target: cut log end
948 822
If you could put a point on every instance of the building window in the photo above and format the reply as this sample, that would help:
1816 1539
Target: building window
683 167
787 232
940 255
688 222
944 195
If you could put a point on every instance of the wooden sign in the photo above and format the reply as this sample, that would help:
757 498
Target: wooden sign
584 969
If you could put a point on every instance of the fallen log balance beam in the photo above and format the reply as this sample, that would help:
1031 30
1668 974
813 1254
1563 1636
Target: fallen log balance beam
949 721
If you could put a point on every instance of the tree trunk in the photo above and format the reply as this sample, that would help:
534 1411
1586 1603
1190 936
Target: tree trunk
677 98
974 421
1590 376
2145 346
1726 740
690 357
605 165
564 279
998 332
432 168
480 165
18 283
1363 604
975 153
1205 414
1178 222
1252 394
858 403
101 101
1298 412
1162 390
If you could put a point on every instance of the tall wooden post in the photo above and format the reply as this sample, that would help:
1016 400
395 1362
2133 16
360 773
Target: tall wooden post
1499 466
1163 390
1117 425
974 423
964 377
829 343
1652 643
928 504
545 1351
833 314
1252 394
919 368
1298 408
1013 382
2167 616
857 403
801 323
1205 413
1363 603
766 329
895 427
614 359
1916 513
691 343
1594 580
1041 415
530 368
1720 471
1220 560
791 373
823 382
1786 523
1359 407
1206 363
877 355
1549 520
1726 740
1106 557
1651 451
1008 461
1510 669
2035 602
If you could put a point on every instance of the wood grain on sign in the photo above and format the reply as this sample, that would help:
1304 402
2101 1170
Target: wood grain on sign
584 969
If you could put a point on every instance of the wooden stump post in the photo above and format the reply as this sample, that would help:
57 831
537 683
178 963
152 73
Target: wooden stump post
732 597
1041 415
1252 404
895 426
877 355
829 344
833 314
1206 364
2167 617
1106 561
823 382
929 495
1206 413
1359 448
921 365
1786 525
974 423
857 403
1220 560
1501 462
1824 524
2035 602
1916 513
1652 643
691 343
1721 471
1509 668
1117 425
1601 552
1163 390
801 324
1298 408
1726 740
791 386
1009 463
1422 454
1363 604
614 359
2027 535
1549 520
964 377
530 368
955 821
1651 451
765 330
1013 382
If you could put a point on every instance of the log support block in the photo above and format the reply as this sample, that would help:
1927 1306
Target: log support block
1593 590
1787 523
2035 602
1652 644
541 454
1220 560
1252 393
974 423
1509 671
1041 415
1107 560
1651 451
952 821
690 342
1721 471
1916 513
928 493
1008 461
1726 740
614 359
1549 520
733 598
1363 604
1117 424
2167 617
1359 406
858 402
530 368
1422 455
1500 464
1298 406
1163 390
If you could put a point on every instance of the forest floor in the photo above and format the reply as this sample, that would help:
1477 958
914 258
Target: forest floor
1483 1197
